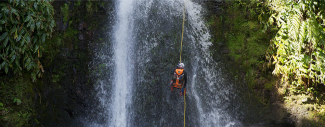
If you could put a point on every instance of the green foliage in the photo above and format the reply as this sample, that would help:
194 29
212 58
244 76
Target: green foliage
89 7
52 47
297 50
55 78
18 101
250 78
92 7
268 86
70 33
65 12
15 100
24 27
78 3
247 39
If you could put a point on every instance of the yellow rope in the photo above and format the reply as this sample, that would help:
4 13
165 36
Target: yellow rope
180 59
180 55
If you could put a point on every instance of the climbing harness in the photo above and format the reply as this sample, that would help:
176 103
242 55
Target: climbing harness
179 78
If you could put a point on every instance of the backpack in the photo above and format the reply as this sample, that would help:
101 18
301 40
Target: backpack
178 78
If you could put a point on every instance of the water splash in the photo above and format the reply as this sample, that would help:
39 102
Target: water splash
208 86
122 84
145 32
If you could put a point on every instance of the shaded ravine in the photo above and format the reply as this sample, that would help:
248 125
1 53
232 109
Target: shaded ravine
137 63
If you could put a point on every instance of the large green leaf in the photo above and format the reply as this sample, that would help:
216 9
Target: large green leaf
24 40
15 11
43 37
24 26
12 58
35 5
18 65
18 38
3 36
29 66
3 21
5 42
5 9
38 24
6 68
13 30
32 26
3 64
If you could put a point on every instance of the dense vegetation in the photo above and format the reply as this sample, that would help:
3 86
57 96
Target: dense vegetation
24 28
38 38
298 50
241 29
25 25
285 36
280 38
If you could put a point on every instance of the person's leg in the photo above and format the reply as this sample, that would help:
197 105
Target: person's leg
171 85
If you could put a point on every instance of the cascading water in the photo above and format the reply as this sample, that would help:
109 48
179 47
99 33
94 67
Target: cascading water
123 70
146 44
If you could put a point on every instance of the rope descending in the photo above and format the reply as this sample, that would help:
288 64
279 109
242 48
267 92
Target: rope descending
180 57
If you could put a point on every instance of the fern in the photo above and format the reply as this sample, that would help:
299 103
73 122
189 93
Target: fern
297 49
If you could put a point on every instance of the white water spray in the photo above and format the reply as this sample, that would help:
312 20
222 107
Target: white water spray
143 24
122 84
209 107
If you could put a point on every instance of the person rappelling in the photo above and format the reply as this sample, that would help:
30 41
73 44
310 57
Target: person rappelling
179 79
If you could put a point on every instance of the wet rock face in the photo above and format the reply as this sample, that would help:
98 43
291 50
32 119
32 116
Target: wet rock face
81 37
82 25
65 93
63 97
60 25
225 50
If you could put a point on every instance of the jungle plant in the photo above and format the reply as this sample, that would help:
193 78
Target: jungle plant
89 7
298 50
24 27
65 12
246 38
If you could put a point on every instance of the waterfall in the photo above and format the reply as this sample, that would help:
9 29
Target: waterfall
145 49
207 84
123 67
